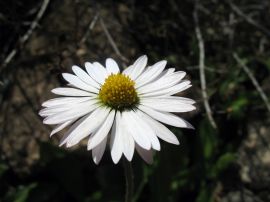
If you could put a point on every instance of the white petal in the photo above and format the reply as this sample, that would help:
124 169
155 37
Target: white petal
98 151
150 73
149 131
71 92
178 89
60 101
85 127
63 108
127 139
96 71
78 83
170 71
72 128
164 74
169 91
147 155
53 110
128 70
102 132
163 83
101 68
183 100
167 105
167 118
129 147
116 141
111 66
85 77
162 131
138 132
60 127
70 114
137 68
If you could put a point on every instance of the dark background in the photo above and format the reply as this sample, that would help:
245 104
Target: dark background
230 163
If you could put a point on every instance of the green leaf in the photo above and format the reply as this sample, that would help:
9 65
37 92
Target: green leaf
236 108
208 137
224 162
21 194
96 196
227 87
205 195
3 169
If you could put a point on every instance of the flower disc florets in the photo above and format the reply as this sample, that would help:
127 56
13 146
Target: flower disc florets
119 92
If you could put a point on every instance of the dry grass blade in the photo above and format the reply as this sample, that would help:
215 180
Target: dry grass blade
28 33
111 41
253 80
202 67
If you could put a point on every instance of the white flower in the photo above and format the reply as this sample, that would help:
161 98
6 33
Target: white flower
125 109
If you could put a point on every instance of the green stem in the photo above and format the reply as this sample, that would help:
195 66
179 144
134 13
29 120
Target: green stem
129 180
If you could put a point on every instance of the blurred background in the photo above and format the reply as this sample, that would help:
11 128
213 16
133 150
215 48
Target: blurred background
222 45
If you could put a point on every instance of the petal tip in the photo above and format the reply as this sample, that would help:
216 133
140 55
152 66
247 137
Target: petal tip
96 161
64 74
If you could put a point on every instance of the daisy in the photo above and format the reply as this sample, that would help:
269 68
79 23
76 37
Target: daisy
126 109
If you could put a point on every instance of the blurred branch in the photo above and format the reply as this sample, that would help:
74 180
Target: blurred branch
129 180
111 41
28 33
30 103
253 80
144 181
239 12
3 129
202 66
90 27
209 69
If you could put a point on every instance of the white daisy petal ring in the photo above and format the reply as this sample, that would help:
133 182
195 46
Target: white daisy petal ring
127 109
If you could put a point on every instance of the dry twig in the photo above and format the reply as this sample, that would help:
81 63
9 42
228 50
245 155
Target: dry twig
90 27
111 41
253 80
249 19
202 66
28 33
30 103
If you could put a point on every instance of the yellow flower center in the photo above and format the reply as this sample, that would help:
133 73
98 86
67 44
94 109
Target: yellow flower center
118 92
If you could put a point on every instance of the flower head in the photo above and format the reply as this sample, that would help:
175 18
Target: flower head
126 109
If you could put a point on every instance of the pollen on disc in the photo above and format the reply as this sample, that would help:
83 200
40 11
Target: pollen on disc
118 92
